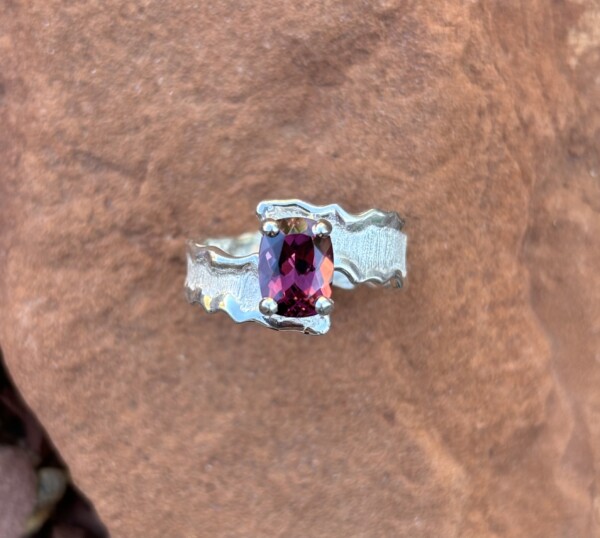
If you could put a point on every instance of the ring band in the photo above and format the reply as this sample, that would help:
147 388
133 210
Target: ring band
281 276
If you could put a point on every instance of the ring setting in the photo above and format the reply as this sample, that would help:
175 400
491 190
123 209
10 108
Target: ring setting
282 276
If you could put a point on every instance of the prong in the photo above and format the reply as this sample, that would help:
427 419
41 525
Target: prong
268 306
324 306
269 227
322 228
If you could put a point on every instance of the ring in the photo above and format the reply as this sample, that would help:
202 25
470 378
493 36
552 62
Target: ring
282 275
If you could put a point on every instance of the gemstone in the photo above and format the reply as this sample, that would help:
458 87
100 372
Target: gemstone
295 267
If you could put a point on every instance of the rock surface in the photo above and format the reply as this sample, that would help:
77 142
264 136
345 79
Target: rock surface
17 491
466 405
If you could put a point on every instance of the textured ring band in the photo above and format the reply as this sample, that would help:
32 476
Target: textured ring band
281 276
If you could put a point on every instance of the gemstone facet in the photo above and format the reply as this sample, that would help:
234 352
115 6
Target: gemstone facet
295 267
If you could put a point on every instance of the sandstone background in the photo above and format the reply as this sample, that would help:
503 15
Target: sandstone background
466 405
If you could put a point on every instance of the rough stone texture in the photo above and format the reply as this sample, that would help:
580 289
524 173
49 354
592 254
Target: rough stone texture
17 491
466 405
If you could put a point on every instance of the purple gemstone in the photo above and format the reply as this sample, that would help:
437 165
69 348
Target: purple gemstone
295 267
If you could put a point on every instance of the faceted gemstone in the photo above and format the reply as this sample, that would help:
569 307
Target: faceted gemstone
295 267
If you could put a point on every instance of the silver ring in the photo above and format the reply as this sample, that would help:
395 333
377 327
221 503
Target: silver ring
281 276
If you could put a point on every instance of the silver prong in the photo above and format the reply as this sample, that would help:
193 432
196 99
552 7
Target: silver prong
324 306
268 306
322 228
269 227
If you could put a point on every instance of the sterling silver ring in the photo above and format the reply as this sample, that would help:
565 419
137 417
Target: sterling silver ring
282 275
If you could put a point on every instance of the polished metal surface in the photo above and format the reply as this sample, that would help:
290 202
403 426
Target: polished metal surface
269 227
369 248
324 306
322 228
268 306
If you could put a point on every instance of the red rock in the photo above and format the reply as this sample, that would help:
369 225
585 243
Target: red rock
465 405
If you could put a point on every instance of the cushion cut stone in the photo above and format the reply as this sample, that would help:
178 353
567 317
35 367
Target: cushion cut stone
295 267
